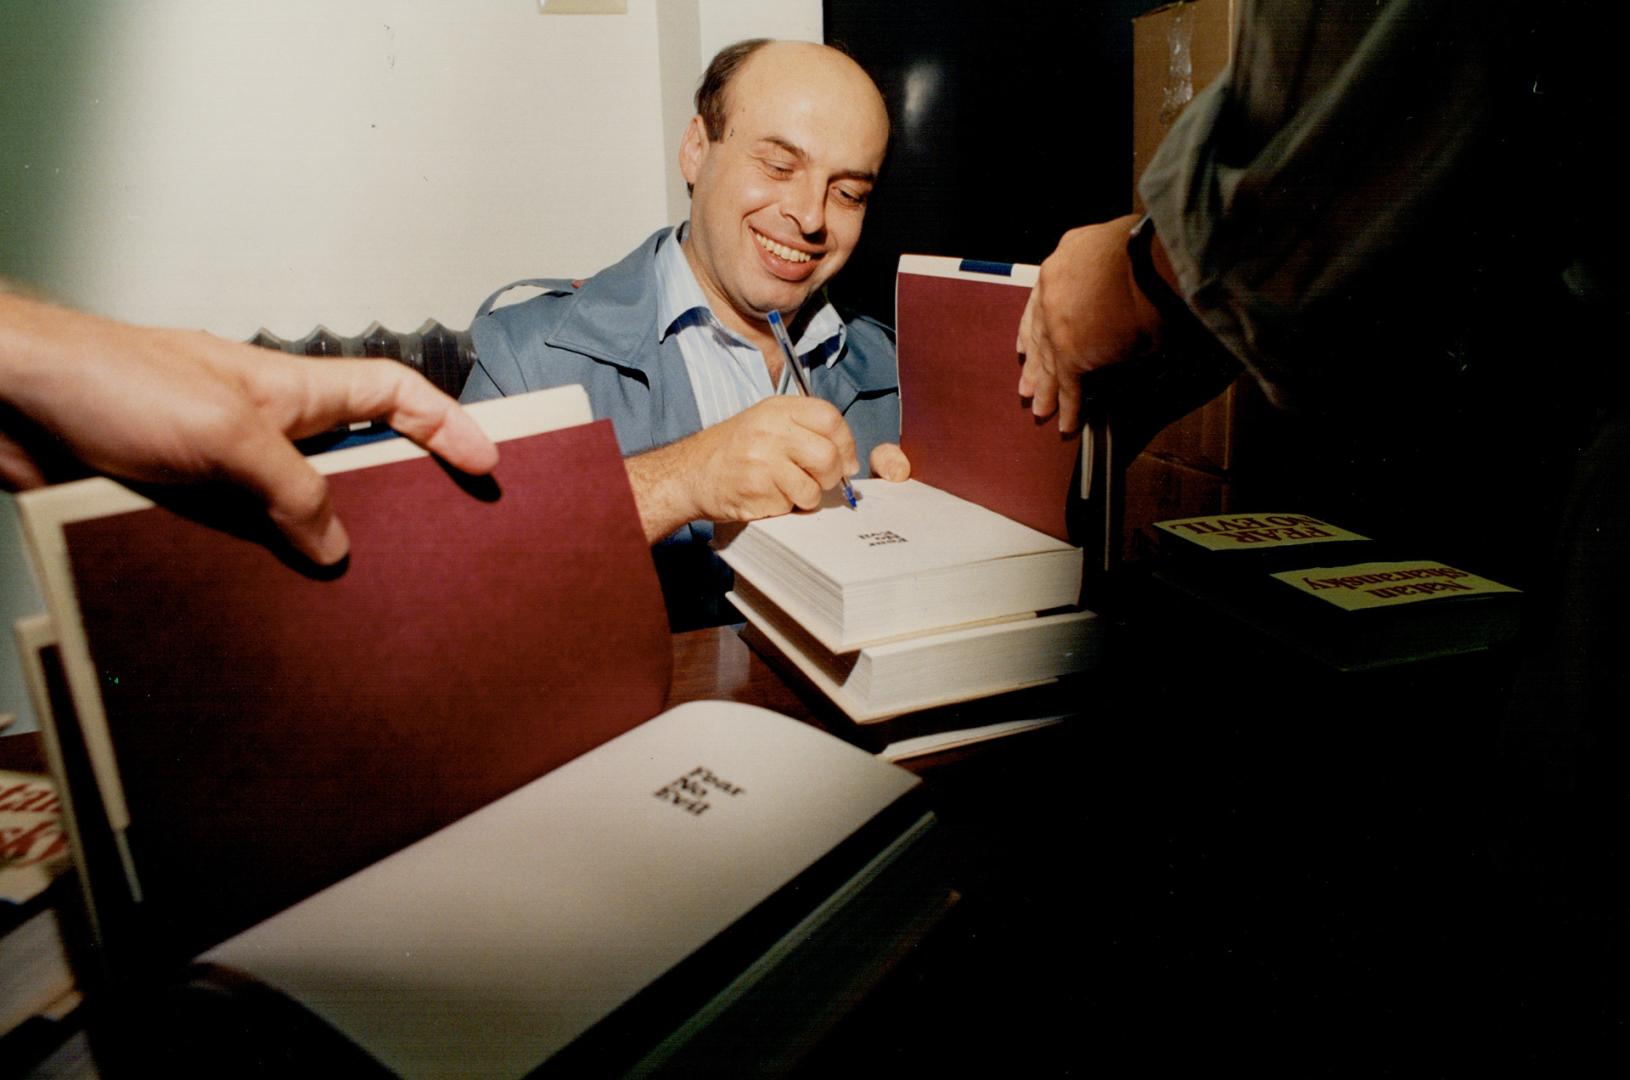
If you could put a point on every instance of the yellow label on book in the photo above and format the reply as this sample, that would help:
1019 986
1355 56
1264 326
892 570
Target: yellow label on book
1240 532
1388 584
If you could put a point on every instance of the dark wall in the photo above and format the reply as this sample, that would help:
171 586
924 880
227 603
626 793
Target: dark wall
1010 126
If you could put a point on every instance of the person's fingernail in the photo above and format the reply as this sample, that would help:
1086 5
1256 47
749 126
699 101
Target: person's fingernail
334 543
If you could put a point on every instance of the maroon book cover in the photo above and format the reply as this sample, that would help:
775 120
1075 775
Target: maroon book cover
277 729
962 422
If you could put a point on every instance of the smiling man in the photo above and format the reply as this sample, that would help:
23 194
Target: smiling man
673 342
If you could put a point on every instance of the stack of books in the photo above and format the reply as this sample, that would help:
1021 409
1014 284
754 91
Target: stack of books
911 604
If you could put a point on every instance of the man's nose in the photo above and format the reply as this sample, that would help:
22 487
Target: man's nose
805 205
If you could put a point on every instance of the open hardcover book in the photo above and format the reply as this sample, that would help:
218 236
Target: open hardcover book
259 737
912 611
600 909
907 558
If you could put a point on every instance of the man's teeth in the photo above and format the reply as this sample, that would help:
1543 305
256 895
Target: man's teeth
781 251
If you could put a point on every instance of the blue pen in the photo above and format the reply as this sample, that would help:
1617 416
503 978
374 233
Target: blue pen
780 331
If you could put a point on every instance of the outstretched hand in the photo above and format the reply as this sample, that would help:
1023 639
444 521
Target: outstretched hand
172 406
1085 312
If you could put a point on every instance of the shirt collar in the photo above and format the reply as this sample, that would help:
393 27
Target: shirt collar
680 302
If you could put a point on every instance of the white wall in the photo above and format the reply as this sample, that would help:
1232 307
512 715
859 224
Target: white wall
229 164
725 21
232 164
18 597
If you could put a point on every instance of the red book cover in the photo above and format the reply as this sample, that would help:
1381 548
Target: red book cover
962 422
277 729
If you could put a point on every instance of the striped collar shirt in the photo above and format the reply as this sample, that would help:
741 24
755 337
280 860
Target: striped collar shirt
726 373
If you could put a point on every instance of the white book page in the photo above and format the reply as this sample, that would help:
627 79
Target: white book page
1023 275
492 944
897 529
831 674
923 745
910 559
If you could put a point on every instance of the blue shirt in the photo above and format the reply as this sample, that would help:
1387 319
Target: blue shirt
728 374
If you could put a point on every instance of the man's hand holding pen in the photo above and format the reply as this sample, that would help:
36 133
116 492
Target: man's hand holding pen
770 459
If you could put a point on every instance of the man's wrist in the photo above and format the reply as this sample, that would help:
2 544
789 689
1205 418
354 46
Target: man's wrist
1151 273
658 478
1154 287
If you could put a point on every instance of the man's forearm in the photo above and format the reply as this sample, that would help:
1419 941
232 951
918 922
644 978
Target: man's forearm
32 335
658 478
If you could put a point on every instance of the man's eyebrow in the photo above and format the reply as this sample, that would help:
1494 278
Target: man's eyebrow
790 147
802 155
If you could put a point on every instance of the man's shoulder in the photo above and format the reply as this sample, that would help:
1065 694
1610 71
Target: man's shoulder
599 302
872 332
535 314
870 356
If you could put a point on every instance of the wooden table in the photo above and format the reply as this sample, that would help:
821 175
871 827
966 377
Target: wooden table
714 664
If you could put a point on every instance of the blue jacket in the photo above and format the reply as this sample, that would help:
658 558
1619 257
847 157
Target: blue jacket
602 333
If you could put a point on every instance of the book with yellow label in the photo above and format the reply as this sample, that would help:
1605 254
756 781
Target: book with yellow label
1337 599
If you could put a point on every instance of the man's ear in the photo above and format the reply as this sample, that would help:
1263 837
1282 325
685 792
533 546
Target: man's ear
693 149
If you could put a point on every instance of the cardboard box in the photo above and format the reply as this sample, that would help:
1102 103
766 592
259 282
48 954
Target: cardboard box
1177 50
1156 489
1205 438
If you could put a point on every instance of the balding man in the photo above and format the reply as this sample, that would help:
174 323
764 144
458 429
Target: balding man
674 345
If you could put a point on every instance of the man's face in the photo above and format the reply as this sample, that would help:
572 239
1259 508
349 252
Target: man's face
780 197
